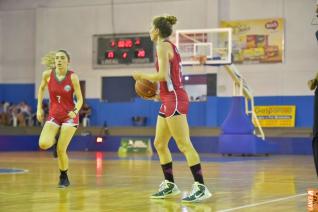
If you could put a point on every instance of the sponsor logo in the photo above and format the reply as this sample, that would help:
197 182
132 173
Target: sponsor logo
67 88
197 196
271 25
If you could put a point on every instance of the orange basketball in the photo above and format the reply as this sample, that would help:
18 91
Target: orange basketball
145 88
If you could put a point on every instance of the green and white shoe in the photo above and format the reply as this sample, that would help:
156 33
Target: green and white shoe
166 189
199 192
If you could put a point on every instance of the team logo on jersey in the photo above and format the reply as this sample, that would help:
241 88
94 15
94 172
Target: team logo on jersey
67 88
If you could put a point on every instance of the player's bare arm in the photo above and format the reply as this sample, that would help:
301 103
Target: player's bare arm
163 50
78 94
45 78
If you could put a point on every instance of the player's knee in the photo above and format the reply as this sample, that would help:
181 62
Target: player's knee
159 145
44 145
61 150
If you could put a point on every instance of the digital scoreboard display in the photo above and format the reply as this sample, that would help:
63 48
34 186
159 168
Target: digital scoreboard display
121 50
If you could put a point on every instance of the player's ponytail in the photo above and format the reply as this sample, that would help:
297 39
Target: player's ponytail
49 60
171 19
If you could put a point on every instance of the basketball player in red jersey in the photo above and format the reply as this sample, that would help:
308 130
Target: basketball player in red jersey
172 118
63 115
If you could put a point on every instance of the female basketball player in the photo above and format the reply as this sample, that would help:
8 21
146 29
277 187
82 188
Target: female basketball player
172 117
312 84
63 114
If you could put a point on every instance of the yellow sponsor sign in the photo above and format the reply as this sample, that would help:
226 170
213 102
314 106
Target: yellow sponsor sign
276 115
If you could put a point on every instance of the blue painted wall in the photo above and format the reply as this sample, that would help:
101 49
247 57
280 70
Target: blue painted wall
207 114
16 93
295 146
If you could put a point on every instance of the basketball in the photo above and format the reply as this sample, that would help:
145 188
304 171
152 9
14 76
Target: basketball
145 88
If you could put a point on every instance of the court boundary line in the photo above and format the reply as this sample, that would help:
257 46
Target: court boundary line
178 177
23 171
262 203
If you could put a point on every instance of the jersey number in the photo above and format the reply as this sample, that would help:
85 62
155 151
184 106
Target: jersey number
58 99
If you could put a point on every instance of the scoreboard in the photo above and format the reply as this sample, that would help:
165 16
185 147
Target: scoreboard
122 50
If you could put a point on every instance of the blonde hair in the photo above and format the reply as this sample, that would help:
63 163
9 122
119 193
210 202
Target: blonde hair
49 60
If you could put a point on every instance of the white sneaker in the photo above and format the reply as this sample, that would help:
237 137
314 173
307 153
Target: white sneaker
199 192
166 189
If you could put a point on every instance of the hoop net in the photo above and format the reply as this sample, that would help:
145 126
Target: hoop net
201 59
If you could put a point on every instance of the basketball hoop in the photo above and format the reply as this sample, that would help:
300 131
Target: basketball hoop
199 58
199 65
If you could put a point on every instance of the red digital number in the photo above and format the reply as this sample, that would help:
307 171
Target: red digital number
121 44
140 53
110 55
125 43
124 55
113 43
128 43
137 42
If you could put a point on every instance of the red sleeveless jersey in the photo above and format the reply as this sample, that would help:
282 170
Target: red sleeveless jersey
172 94
61 95
174 81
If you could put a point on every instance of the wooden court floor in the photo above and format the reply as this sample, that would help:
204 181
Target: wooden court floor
104 182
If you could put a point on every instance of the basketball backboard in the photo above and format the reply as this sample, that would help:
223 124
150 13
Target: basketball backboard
214 45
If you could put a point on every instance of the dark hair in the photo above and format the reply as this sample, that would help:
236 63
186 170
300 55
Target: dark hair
164 24
66 53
